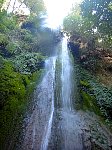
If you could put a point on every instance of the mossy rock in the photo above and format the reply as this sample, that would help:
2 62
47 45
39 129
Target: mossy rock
89 103
15 88
11 84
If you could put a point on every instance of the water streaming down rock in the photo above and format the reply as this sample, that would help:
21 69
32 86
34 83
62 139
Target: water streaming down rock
47 131
39 123
67 126
70 123
66 77
39 130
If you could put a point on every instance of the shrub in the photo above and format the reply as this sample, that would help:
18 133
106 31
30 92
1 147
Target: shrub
3 40
102 94
28 63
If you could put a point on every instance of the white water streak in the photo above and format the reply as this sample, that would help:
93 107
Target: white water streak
66 77
48 126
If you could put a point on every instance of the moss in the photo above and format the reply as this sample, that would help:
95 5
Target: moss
26 79
11 84
34 80
89 103
14 90
58 83
84 83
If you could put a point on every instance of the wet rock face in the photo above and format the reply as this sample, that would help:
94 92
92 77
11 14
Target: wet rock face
74 48
41 64
28 25
100 136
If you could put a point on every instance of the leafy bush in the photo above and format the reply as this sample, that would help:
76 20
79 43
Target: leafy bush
102 94
104 98
7 22
11 47
1 62
28 63
3 39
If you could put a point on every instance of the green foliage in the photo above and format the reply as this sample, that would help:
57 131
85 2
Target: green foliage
21 40
88 99
26 35
100 14
7 22
27 63
35 6
84 83
3 39
34 78
89 103
90 16
11 84
76 23
29 37
20 67
104 98
1 62
11 47
73 22
102 94
14 90
1 3
7 26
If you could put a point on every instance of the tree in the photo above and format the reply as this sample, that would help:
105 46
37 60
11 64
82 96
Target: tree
1 3
73 21
99 13
35 6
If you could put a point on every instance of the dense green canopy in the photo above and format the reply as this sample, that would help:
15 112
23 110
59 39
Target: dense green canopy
93 17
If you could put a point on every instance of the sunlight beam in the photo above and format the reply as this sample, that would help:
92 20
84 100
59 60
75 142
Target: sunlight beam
57 10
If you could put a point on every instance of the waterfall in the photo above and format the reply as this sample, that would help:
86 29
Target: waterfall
48 126
38 130
66 77
41 130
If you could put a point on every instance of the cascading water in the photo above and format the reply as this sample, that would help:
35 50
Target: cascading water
66 77
47 131
70 122
40 130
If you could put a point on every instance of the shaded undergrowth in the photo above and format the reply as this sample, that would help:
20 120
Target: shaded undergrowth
95 96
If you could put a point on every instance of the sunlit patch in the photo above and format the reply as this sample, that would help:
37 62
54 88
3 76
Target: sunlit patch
18 7
57 10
